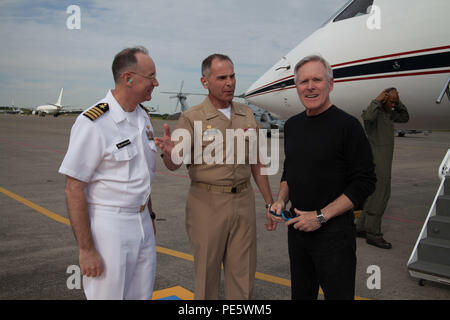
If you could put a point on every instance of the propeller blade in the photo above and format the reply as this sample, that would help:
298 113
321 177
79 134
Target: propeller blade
195 94
182 83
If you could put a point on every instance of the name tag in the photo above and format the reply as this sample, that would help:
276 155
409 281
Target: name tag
122 144
209 132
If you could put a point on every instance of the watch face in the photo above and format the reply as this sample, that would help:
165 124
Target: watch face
321 219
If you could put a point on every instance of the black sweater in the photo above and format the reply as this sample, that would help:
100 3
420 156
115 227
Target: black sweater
325 156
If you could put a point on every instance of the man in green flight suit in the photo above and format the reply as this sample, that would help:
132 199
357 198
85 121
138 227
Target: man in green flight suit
378 123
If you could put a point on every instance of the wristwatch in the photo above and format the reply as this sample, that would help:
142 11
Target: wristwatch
153 215
268 205
320 218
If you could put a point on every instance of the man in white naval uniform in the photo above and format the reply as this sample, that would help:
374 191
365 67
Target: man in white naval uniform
110 166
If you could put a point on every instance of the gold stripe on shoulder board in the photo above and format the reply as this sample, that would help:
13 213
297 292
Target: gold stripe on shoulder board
95 112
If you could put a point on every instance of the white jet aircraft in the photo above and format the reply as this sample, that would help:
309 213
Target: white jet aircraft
53 109
372 45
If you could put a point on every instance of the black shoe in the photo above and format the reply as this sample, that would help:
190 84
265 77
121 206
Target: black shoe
380 243
361 234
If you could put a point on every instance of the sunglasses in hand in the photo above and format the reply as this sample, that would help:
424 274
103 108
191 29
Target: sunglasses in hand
285 214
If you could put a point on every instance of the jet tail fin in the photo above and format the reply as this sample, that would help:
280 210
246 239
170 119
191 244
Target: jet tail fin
58 103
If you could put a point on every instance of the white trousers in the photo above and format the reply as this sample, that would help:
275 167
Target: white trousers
126 243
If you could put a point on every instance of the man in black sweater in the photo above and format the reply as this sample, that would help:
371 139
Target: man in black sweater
328 171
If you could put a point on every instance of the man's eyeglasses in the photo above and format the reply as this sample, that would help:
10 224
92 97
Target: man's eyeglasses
152 77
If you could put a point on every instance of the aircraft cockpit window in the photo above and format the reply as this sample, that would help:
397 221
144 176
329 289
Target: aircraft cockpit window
356 8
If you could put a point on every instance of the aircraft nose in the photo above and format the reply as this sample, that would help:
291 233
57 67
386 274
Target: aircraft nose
258 87
252 88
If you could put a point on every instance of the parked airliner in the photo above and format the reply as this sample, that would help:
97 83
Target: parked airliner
53 109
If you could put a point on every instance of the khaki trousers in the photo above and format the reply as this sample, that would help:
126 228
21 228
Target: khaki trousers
222 229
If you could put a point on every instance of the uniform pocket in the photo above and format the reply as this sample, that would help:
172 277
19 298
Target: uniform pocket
125 154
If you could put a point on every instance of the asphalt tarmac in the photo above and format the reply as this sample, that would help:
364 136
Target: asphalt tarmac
38 252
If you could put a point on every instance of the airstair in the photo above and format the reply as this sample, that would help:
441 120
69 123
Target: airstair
430 259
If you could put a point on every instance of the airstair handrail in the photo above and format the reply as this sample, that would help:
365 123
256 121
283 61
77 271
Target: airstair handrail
444 168
444 171
444 90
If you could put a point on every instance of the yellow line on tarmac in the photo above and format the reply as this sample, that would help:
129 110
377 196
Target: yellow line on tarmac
36 207
258 275
174 253
273 279
170 252
177 291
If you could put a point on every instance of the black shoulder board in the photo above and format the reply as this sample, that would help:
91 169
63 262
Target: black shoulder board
147 111
95 112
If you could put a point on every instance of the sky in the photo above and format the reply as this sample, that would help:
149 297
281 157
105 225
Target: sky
39 54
